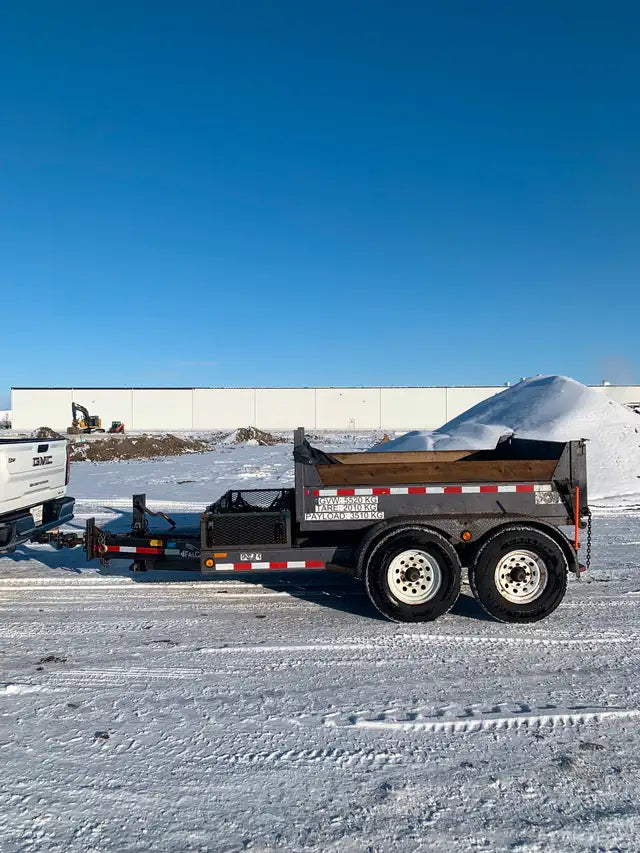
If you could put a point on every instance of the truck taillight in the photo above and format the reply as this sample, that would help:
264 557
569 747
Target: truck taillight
68 470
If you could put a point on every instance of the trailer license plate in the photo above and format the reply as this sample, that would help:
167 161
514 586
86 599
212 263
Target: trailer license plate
36 512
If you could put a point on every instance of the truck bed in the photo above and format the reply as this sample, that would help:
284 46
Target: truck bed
33 483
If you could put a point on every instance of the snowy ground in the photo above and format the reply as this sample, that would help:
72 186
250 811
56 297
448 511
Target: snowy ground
278 712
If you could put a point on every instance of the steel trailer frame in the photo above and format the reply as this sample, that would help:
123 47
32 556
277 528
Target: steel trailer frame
331 527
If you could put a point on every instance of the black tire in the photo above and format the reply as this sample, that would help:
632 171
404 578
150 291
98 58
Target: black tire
440 561
523 540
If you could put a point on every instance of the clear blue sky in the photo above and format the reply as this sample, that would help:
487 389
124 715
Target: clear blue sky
275 193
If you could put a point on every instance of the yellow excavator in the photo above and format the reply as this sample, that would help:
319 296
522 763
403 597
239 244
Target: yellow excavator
87 423
83 422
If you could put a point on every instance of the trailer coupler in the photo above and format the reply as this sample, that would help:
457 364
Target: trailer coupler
58 539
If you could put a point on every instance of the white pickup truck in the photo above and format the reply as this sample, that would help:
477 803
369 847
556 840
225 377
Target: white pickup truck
34 474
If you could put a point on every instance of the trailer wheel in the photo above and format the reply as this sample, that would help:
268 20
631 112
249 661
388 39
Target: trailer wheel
412 575
519 574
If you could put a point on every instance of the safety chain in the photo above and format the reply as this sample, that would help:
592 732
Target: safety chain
102 540
589 521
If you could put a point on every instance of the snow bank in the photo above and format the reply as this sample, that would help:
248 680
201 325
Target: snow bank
555 408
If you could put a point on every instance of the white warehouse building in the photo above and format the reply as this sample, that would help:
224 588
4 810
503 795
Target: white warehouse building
387 408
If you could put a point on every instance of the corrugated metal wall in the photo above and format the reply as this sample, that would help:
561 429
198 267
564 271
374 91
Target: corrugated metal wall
267 408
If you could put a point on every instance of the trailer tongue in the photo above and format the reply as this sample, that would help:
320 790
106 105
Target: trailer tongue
403 522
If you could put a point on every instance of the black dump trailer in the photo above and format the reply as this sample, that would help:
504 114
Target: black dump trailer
403 522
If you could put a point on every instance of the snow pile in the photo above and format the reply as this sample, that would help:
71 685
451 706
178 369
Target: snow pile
555 408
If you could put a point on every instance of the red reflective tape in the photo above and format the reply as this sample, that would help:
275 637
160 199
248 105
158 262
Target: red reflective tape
316 493
452 490
380 491
485 489
240 567
129 549
345 493
416 490
525 488
313 564
278 565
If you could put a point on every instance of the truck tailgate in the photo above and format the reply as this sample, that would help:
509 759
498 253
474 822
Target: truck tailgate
31 473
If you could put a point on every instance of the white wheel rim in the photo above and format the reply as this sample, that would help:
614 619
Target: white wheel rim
414 577
521 576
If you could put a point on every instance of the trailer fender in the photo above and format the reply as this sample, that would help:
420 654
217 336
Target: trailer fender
395 525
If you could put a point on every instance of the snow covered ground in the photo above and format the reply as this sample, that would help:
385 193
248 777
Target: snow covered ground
278 712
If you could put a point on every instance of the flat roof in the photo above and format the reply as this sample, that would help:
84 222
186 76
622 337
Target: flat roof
231 387
260 387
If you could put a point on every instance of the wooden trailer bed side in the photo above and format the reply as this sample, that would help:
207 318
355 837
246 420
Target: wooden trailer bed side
401 456
460 471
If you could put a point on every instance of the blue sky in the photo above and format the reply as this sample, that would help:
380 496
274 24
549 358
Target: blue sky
286 193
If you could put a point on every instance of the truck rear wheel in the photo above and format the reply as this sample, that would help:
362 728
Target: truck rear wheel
412 575
519 574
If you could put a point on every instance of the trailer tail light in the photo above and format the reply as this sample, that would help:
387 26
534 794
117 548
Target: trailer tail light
67 475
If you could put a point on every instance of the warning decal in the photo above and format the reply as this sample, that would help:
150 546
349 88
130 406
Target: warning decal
349 508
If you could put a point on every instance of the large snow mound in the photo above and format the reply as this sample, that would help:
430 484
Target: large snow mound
555 408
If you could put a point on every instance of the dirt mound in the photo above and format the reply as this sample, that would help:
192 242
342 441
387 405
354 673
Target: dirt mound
44 432
135 447
253 435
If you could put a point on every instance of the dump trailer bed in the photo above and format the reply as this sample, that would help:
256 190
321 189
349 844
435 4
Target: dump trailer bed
403 522
519 477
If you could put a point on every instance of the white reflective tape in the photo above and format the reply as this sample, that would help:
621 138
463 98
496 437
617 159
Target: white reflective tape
127 549
296 564
436 490
224 567
260 565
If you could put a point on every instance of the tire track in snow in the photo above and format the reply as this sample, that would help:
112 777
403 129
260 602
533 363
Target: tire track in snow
490 723
110 677
266 752
599 602
334 756
406 640
376 644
